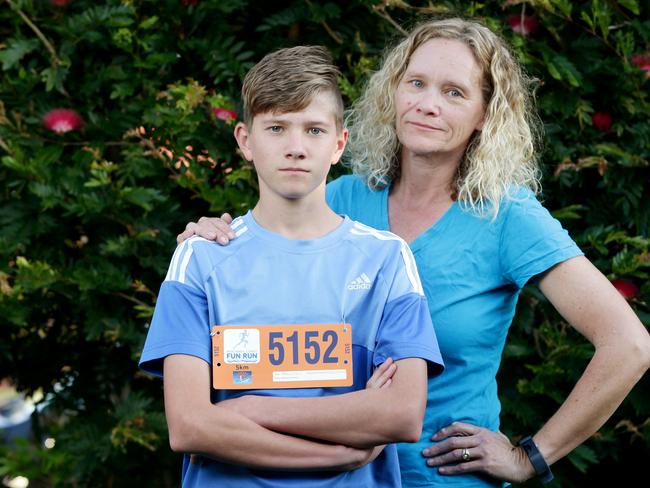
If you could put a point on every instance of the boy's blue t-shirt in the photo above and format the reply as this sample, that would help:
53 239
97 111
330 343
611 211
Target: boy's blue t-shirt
472 270
354 274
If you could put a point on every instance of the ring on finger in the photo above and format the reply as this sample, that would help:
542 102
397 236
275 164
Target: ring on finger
465 455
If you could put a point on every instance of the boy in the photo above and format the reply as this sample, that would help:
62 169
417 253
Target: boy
295 262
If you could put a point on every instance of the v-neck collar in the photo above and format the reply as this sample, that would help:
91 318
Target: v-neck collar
438 226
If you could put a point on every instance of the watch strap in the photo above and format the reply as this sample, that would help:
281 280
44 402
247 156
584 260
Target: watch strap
537 460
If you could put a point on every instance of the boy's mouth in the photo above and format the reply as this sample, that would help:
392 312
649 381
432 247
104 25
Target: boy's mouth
294 170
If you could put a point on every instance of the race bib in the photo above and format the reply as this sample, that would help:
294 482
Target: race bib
281 356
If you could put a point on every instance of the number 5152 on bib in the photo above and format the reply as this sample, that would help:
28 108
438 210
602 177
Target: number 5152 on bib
281 356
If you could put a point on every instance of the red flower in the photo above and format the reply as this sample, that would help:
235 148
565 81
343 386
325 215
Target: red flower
524 26
626 288
224 114
60 3
601 121
62 120
643 62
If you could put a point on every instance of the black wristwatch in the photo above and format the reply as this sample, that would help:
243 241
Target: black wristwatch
537 460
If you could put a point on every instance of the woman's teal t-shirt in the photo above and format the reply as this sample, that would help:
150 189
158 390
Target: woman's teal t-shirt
472 269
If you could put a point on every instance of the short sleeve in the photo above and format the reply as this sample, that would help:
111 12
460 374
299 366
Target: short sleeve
532 241
180 322
179 326
406 332
405 329
184 267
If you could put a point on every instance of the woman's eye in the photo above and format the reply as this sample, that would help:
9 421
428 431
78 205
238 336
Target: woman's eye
455 93
417 83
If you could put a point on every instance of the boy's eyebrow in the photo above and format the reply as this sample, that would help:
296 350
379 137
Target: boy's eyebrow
278 119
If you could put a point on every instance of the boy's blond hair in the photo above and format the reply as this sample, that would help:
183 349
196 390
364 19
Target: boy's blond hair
288 80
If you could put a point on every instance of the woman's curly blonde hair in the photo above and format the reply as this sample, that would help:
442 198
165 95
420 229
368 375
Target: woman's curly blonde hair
498 158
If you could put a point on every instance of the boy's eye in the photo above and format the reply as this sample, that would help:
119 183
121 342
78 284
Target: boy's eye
275 128
315 131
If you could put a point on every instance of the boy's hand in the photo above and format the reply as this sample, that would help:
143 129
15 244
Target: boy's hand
212 228
382 376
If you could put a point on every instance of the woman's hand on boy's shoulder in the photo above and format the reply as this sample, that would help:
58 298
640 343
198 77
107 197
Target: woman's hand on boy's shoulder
211 228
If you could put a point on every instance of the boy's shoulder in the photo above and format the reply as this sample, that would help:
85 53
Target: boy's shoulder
216 252
199 257
374 240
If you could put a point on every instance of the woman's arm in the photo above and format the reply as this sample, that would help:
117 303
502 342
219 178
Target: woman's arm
586 299
197 426
360 419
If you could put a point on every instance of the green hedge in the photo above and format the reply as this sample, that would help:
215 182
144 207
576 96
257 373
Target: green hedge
89 215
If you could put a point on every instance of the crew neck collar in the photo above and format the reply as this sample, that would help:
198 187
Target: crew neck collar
297 245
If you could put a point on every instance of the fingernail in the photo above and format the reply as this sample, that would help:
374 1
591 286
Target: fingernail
223 240
425 452
231 235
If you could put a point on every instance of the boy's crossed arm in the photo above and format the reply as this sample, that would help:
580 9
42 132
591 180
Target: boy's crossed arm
360 419
197 426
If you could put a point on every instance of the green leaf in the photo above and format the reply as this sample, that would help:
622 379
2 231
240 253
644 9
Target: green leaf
16 50
552 69
565 6
590 22
624 157
569 212
568 70
518 350
34 275
631 5
582 457
142 197
149 23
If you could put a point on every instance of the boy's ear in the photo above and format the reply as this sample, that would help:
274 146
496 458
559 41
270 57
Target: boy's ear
242 135
341 141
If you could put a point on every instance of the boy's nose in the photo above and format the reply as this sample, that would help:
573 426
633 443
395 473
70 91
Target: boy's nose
296 148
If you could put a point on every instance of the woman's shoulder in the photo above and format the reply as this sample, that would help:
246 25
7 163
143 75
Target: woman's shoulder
522 212
515 200
346 183
350 195
519 200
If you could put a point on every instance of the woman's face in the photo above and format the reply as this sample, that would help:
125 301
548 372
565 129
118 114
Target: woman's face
439 101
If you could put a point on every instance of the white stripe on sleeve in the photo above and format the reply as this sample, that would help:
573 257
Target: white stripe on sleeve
407 255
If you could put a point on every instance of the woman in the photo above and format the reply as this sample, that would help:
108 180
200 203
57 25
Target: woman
442 144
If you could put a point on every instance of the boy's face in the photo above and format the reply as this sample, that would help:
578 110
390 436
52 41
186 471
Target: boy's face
292 152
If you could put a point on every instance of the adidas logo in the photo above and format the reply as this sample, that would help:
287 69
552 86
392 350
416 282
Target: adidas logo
360 283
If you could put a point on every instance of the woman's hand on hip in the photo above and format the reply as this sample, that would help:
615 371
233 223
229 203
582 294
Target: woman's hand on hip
465 448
